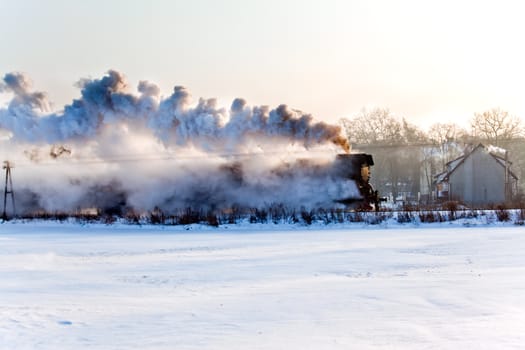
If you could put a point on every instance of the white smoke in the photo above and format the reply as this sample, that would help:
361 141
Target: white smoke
113 147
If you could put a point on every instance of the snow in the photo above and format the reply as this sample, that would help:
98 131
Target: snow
496 149
68 286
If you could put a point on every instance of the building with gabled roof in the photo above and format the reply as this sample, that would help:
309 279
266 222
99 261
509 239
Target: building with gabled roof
481 176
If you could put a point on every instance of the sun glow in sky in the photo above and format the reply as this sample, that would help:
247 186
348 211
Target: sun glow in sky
428 61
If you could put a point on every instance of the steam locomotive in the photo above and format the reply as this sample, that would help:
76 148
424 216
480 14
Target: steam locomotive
356 167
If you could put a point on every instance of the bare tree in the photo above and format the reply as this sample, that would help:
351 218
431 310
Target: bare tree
446 139
412 134
444 143
495 125
375 126
440 133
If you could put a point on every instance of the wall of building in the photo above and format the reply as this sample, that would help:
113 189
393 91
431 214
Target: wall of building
480 179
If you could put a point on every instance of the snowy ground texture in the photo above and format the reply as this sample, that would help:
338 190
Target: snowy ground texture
66 286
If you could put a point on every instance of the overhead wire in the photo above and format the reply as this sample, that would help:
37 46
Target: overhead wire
153 157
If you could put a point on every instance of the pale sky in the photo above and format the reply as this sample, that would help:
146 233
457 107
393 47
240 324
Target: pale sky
426 60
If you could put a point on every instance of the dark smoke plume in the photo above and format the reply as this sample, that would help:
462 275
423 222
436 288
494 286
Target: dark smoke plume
107 101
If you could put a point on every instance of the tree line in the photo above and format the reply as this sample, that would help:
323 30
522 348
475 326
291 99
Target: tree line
407 158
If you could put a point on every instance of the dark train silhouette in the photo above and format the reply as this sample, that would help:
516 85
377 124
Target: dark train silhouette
356 167
347 180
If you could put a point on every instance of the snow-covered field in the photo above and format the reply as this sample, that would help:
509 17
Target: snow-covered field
66 286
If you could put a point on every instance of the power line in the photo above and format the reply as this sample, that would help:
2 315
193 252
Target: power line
145 157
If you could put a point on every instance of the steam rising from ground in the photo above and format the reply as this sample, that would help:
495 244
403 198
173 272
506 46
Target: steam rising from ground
115 148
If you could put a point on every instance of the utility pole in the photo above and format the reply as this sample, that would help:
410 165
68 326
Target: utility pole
508 193
8 189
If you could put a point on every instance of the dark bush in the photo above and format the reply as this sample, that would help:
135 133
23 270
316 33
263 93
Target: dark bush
452 208
427 216
259 216
157 217
502 214
356 216
212 220
375 218
307 216
404 217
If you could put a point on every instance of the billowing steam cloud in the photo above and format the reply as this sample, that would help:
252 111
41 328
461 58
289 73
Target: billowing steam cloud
112 147
107 100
